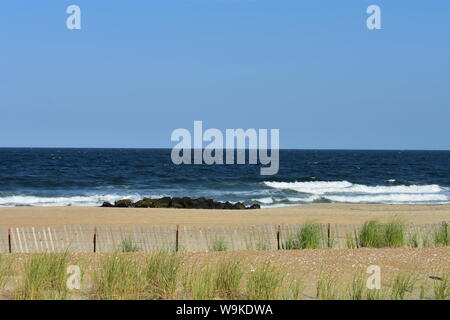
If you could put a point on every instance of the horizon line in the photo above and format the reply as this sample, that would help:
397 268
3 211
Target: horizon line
168 148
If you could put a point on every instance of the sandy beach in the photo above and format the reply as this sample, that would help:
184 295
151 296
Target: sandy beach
320 213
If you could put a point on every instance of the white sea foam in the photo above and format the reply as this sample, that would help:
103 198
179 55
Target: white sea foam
92 200
279 194
304 199
279 201
347 192
391 198
327 187
264 200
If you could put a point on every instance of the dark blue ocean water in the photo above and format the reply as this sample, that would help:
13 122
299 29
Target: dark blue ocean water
90 176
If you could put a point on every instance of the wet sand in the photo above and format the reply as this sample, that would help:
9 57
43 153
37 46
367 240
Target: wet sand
320 213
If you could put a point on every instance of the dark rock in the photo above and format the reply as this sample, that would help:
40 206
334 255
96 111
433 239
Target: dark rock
164 202
210 203
125 203
201 203
176 202
157 204
218 205
239 206
187 203
107 204
228 205
145 203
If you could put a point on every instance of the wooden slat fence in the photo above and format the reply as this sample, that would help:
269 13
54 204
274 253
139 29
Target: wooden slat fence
190 238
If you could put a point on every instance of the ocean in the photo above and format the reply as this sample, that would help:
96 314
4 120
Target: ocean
87 177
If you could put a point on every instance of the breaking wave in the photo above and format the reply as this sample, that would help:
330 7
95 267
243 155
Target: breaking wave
324 187
93 200
347 192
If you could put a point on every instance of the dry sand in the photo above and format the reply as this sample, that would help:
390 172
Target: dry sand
321 213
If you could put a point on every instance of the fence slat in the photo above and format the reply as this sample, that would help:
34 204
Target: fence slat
191 238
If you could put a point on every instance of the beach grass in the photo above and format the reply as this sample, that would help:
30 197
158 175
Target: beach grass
403 285
427 242
413 240
423 291
357 287
377 235
198 283
441 288
160 273
5 270
395 234
351 241
327 288
441 235
376 294
371 234
44 277
294 289
218 275
264 282
118 277
260 244
218 245
129 245
227 278
309 236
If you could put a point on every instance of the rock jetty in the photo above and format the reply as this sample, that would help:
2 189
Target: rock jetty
185 202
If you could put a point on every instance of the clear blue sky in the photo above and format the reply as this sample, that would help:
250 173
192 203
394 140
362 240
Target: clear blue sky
139 69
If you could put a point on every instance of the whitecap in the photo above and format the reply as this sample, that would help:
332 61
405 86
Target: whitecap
327 187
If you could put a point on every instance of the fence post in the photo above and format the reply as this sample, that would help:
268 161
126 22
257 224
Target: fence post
9 240
278 238
176 239
95 239
356 239
329 235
